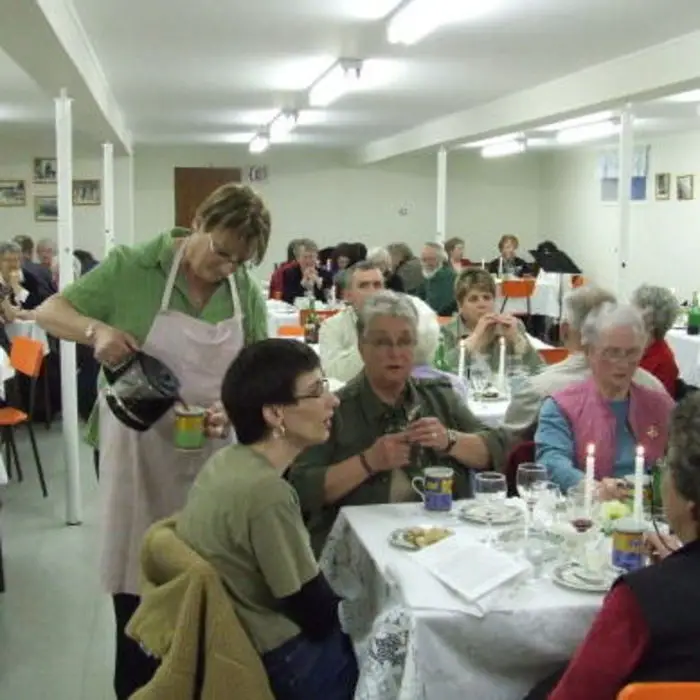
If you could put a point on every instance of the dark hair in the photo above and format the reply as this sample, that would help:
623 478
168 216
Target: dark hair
343 250
26 244
683 458
263 374
360 251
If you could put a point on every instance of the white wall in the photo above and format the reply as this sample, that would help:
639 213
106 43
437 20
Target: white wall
664 238
312 192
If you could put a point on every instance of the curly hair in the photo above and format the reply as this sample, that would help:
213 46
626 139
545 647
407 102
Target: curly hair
239 210
683 457
659 307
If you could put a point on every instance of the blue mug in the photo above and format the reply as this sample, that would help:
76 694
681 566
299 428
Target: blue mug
435 488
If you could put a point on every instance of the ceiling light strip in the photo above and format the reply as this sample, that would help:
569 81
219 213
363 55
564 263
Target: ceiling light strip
504 148
590 132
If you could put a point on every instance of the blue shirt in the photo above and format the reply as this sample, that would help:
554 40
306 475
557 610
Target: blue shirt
556 447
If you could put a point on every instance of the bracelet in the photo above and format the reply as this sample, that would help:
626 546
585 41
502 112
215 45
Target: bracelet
365 464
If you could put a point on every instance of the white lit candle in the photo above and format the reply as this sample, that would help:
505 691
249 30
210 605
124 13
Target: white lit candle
483 263
589 478
462 356
502 364
638 484
500 268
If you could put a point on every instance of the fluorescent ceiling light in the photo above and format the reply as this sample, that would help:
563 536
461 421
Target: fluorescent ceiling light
339 80
577 121
690 96
591 132
281 125
495 140
418 18
505 148
259 144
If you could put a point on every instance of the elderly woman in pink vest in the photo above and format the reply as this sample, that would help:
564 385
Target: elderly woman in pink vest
608 410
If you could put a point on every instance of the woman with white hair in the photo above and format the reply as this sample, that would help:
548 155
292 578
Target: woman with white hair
607 410
660 309
381 258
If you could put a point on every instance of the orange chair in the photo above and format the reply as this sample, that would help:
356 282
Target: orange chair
553 355
660 691
322 315
444 320
517 289
27 357
290 331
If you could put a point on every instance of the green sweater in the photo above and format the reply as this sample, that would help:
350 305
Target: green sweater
438 291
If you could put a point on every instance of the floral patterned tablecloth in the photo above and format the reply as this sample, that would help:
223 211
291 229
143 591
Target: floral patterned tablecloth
415 640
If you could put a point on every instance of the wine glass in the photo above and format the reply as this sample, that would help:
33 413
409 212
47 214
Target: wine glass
549 499
527 478
580 515
490 488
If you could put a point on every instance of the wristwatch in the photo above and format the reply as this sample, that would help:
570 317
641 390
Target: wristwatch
451 440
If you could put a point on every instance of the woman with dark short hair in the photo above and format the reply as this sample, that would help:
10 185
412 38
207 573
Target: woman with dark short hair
244 518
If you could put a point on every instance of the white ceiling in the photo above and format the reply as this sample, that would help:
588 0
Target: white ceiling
214 72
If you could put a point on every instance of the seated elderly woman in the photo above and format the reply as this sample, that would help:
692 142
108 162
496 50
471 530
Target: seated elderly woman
390 426
660 309
640 636
479 324
607 410
244 518
525 405
381 258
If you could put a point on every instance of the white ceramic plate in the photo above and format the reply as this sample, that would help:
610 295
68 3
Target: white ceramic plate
476 512
574 576
402 539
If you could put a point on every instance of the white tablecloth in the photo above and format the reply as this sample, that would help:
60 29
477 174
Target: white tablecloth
29 329
686 348
416 641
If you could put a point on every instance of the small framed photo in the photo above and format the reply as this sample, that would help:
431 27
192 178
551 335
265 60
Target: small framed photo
662 186
45 171
13 193
86 193
45 208
685 187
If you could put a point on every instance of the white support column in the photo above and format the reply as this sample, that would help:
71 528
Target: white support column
441 225
69 392
108 194
131 210
625 169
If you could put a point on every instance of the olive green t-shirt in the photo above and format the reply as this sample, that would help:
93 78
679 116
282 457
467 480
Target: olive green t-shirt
245 520
125 291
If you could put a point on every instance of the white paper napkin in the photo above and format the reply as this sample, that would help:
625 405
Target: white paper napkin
471 569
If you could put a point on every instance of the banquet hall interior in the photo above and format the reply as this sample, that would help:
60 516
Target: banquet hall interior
366 127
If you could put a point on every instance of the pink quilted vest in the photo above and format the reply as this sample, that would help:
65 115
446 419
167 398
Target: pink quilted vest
593 422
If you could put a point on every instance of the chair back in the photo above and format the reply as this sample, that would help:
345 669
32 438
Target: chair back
290 331
444 320
518 289
553 355
660 691
27 356
523 452
322 314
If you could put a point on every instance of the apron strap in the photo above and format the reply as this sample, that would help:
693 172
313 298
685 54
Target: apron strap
172 276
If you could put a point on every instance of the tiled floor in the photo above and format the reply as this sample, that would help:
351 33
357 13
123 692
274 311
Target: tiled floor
56 629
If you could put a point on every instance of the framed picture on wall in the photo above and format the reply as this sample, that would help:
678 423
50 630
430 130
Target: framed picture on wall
45 208
45 171
662 185
685 187
86 193
13 193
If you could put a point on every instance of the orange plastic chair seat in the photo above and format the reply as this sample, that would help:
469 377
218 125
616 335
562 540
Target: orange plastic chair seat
660 691
12 416
553 355
322 315
517 289
290 331
444 320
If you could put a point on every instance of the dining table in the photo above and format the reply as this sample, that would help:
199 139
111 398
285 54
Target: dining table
416 639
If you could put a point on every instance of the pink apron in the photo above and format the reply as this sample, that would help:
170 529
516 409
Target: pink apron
143 477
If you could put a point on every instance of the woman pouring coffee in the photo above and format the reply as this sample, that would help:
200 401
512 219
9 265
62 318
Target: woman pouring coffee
186 299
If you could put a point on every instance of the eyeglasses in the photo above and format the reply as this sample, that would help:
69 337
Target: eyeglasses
226 257
621 355
322 388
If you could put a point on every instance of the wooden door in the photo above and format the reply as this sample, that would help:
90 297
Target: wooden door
194 185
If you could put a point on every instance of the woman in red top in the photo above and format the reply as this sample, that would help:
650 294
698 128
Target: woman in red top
660 309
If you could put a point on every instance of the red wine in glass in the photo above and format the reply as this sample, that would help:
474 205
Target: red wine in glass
582 524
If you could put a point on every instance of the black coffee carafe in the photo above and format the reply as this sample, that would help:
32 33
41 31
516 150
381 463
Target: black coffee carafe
140 391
